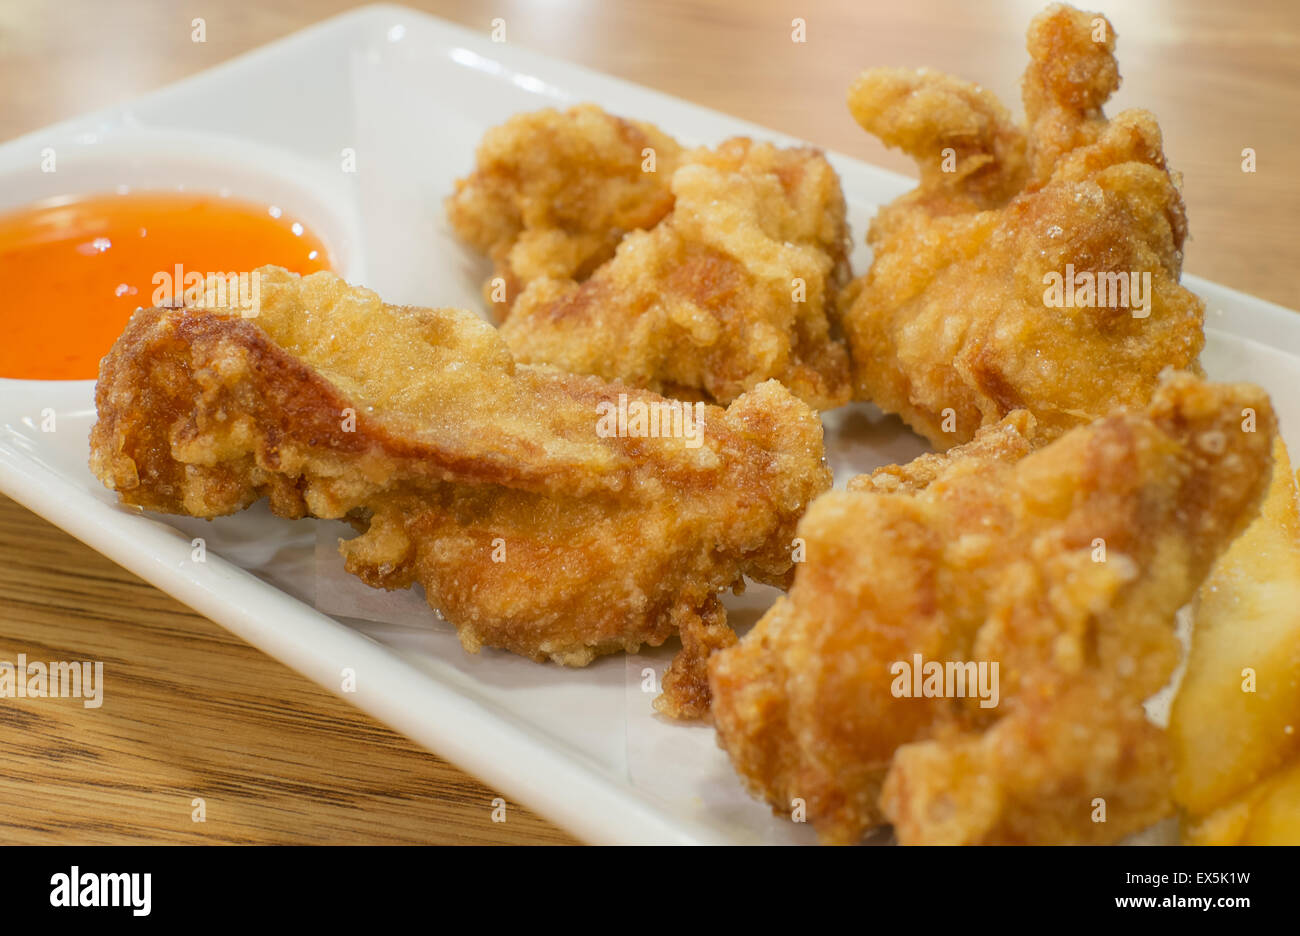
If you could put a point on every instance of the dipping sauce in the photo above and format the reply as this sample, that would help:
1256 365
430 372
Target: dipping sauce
73 270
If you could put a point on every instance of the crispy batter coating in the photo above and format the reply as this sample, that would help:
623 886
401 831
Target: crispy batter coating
991 556
553 192
925 113
686 681
1010 440
488 483
735 286
1072 72
957 322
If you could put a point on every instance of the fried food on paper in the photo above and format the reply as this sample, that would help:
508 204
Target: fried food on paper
488 483
553 192
959 320
1064 565
1235 721
735 286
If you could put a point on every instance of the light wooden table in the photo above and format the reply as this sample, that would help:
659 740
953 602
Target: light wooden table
198 713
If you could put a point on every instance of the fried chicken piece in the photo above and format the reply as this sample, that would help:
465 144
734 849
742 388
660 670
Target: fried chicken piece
1071 74
965 314
926 113
489 483
552 194
1235 722
686 681
1010 440
1064 566
735 286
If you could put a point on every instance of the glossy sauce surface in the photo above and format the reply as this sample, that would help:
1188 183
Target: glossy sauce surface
73 270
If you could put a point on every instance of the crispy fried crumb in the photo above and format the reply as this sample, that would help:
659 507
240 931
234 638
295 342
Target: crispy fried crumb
484 481
952 327
991 553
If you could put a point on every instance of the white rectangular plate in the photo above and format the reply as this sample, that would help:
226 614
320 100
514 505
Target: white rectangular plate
411 96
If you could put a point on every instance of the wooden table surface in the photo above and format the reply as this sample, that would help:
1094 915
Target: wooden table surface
198 713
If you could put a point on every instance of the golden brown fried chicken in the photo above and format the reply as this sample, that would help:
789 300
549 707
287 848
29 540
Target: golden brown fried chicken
1036 272
735 286
1064 567
552 194
970 153
493 485
1072 73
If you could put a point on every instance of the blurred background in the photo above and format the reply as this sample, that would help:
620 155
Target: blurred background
1219 76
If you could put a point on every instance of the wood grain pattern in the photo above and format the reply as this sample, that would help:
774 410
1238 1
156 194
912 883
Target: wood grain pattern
192 711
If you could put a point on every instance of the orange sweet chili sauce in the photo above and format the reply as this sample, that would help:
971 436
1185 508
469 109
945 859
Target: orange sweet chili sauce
73 270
